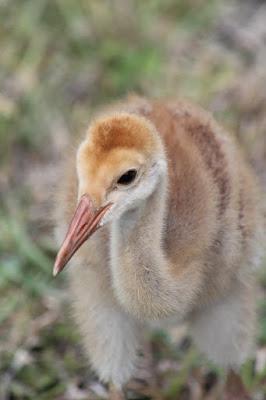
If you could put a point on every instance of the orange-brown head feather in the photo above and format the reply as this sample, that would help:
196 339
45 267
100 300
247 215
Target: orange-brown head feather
120 146
114 144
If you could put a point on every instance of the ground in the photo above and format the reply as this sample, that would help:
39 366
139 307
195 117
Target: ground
59 61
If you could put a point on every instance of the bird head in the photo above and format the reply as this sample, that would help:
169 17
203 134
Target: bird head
118 166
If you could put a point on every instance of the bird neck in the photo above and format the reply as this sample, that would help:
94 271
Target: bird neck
141 229
142 275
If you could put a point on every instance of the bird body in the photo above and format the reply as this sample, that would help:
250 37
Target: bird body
178 234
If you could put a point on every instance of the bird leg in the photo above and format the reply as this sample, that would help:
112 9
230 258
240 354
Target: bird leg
144 380
115 393
111 338
234 388
224 332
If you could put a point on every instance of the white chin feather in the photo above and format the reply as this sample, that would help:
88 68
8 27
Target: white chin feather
108 217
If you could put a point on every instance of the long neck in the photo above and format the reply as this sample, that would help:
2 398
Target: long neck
145 281
139 265
139 232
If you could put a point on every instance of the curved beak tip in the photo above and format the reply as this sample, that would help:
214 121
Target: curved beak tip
56 269
84 223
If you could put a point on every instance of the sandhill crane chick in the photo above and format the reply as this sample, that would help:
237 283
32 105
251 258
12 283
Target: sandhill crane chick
168 226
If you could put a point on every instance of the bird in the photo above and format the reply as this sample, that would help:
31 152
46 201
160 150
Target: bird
166 221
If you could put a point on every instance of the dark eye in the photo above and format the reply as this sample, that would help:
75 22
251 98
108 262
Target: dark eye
127 177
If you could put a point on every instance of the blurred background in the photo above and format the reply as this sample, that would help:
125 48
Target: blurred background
59 60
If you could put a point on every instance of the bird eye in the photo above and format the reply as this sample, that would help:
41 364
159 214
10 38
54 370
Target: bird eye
128 177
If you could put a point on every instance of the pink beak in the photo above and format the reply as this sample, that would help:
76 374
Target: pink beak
83 224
